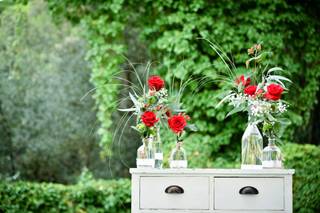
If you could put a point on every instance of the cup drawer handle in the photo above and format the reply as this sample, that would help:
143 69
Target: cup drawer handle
174 189
248 190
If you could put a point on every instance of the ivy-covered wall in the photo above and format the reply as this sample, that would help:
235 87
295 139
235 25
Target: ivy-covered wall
169 33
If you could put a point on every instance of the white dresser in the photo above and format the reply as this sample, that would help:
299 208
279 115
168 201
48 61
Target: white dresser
211 190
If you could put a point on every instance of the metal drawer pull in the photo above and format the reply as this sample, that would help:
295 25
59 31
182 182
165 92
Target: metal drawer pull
174 189
248 190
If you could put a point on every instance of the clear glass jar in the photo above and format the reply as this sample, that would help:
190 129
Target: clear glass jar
158 155
272 157
251 147
145 154
178 157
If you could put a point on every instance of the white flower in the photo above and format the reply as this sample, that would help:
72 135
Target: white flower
282 107
259 107
163 93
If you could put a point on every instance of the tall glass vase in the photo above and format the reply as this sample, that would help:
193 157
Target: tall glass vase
145 154
251 147
158 151
272 157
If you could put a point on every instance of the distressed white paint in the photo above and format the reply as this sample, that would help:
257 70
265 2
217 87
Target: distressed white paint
270 193
211 190
195 196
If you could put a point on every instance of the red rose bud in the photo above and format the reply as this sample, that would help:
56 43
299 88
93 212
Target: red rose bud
250 90
155 83
257 47
159 107
250 51
168 113
177 123
245 82
274 92
258 92
149 118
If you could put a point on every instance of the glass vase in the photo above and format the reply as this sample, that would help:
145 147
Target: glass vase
272 157
158 151
251 148
178 157
145 154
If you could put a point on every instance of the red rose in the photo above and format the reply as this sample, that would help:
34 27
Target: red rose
274 92
250 90
245 82
155 83
177 123
149 118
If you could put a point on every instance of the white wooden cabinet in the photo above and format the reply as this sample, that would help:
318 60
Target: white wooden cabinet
211 190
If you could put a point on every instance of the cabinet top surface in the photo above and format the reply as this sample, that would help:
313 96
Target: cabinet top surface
213 171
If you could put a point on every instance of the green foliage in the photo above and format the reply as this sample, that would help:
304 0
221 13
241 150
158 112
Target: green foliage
306 182
114 196
173 38
170 31
47 130
95 196
105 55
86 176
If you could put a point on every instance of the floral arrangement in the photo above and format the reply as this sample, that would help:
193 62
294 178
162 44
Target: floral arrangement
150 107
259 91
155 106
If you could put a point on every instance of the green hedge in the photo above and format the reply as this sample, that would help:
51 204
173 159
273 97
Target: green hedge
305 159
114 196
95 196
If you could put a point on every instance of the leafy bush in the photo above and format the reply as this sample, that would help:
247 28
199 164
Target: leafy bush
94 196
114 196
306 180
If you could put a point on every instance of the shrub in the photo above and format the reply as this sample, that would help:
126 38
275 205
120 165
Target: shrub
306 180
114 195
94 196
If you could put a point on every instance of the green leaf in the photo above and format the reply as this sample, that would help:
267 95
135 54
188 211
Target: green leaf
278 77
274 69
135 128
235 110
127 110
191 127
223 100
135 102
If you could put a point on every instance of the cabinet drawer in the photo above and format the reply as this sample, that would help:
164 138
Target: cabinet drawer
155 193
269 193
